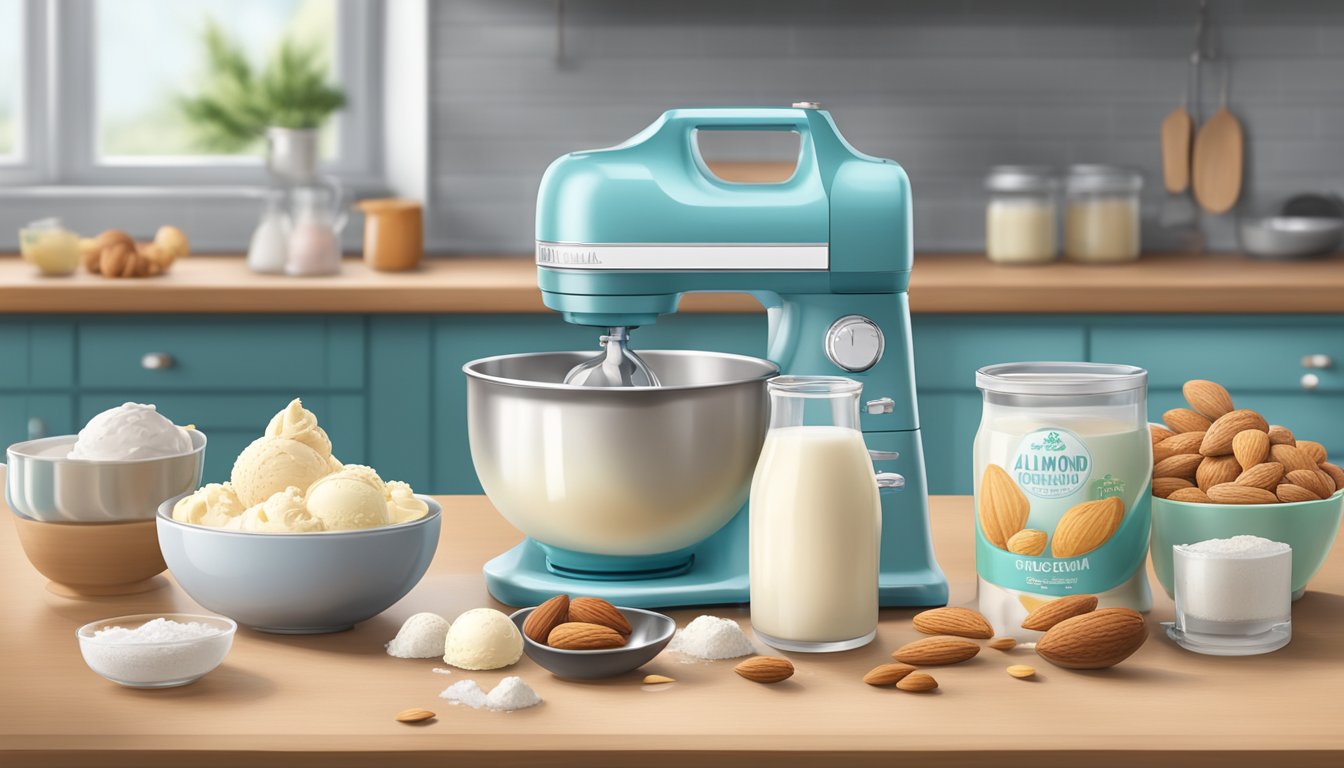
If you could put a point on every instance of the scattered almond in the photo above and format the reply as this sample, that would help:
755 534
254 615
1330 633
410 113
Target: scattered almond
1291 457
887 674
1094 640
1022 671
1250 447
1218 438
583 636
1264 476
1193 495
414 715
765 669
1182 465
1003 506
595 610
1003 643
960 622
1086 526
1028 541
936 651
1314 450
1234 493
1281 435
1216 470
1185 420
1055 611
1207 397
1312 480
657 679
917 682
1163 487
1289 493
546 617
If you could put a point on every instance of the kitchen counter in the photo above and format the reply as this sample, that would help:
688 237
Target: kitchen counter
329 700
941 283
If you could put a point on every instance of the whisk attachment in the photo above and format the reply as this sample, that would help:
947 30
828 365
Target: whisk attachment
616 366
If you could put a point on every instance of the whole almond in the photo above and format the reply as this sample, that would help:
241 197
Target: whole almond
1216 470
1193 495
1218 438
1279 435
1207 397
887 674
1336 474
1163 487
1055 611
917 682
1022 671
1264 476
1094 640
1003 643
1289 493
546 617
1003 506
1236 493
1183 465
1028 541
765 669
1250 447
1158 434
1086 526
658 679
1291 457
414 715
1327 481
1185 420
959 622
936 651
1310 480
595 610
1186 442
1314 450
582 636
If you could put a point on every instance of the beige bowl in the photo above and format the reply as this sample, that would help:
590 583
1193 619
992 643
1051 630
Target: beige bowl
94 559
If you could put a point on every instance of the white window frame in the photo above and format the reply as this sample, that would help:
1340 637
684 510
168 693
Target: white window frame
58 142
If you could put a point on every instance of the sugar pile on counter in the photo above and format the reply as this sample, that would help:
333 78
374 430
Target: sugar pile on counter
511 694
712 638
421 637
1235 579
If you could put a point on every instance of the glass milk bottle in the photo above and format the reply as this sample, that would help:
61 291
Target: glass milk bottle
816 520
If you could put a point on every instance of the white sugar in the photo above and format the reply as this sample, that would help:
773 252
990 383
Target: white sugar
421 637
465 692
1238 547
157 631
1244 578
511 694
157 651
712 638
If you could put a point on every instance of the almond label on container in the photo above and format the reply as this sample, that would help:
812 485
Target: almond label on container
1052 464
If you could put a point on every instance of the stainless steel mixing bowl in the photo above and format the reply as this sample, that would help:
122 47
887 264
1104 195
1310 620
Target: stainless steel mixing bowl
617 470
46 486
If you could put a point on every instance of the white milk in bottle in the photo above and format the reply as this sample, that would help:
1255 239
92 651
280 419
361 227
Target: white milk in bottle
1063 456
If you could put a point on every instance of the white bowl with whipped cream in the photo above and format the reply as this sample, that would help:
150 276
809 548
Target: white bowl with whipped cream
119 468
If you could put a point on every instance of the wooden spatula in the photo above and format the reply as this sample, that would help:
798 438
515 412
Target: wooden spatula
1220 148
1177 130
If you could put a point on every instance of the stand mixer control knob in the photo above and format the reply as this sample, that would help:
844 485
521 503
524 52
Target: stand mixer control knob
854 343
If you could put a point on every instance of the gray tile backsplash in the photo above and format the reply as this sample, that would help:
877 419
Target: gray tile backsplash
945 88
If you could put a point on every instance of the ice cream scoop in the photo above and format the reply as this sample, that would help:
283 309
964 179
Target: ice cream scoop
215 505
402 504
284 512
298 423
128 432
272 464
482 638
349 499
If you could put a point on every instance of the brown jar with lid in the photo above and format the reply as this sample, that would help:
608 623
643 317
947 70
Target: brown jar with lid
394 233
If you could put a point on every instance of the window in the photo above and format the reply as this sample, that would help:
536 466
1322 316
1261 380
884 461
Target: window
116 70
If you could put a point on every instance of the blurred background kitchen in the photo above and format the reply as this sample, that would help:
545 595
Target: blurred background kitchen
1199 141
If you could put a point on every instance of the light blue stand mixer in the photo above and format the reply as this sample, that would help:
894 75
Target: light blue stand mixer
622 234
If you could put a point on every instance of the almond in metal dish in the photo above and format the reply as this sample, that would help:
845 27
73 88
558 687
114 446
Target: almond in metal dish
595 610
582 636
546 617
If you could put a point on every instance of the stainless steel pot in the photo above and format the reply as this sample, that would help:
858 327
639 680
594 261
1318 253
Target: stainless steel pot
622 470
42 484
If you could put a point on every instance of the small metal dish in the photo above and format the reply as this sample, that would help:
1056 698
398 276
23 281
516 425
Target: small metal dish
650 634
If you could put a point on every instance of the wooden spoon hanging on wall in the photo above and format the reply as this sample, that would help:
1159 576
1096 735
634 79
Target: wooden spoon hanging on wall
1220 148
1177 129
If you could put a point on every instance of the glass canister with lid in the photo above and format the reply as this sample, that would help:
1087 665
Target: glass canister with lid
1020 220
1063 469
1101 218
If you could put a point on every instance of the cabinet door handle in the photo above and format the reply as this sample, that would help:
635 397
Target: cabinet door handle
157 361
37 428
1318 362
1310 381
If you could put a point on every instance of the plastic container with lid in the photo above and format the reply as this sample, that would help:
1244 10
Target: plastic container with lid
1101 220
1020 218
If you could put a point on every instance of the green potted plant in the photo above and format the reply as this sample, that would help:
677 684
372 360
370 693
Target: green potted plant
286 102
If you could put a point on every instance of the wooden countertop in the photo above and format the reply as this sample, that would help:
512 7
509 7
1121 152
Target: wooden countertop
941 283
329 700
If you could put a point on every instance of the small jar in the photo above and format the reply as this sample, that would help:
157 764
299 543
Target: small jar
1020 223
1101 220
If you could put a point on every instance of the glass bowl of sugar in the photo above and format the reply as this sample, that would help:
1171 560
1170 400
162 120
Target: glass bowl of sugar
156 650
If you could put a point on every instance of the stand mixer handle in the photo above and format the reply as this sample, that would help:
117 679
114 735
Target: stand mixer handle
890 481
